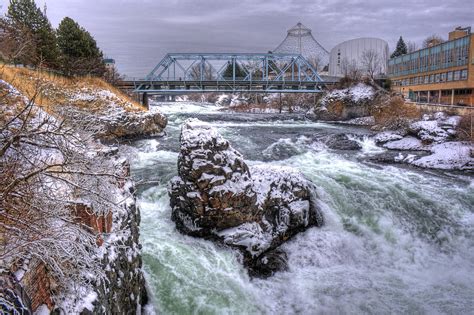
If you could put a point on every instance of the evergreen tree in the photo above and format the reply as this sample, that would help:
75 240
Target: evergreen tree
239 72
401 48
80 54
24 14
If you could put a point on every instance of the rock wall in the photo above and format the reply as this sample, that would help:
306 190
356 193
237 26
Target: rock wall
124 292
118 251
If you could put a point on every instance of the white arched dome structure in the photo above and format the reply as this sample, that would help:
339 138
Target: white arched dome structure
352 52
299 40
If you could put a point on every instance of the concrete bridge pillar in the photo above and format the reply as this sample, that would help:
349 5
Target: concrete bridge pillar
145 100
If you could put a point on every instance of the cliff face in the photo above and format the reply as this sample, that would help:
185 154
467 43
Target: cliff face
82 255
124 292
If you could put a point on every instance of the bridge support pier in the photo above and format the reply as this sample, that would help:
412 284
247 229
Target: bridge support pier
145 100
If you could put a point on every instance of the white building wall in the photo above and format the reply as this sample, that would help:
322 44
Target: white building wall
352 50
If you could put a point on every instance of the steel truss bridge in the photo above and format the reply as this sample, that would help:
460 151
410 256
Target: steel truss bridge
182 73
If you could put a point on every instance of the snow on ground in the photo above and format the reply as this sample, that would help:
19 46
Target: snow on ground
407 143
360 121
356 94
387 136
432 134
448 155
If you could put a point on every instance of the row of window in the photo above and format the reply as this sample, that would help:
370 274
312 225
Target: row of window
449 54
456 92
434 78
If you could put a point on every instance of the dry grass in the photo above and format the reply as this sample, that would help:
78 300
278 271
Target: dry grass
395 113
51 90
336 108
465 129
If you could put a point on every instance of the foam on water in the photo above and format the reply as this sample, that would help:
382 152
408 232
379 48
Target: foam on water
394 241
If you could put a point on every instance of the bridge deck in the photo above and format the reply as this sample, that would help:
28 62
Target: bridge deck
258 86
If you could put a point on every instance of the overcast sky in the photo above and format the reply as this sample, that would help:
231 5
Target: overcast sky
138 33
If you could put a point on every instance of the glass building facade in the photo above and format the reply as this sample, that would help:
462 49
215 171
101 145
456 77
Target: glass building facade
450 54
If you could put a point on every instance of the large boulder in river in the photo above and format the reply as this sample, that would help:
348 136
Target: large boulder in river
213 190
255 209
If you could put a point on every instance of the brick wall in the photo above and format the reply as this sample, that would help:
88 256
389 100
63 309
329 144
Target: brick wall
37 285
97 224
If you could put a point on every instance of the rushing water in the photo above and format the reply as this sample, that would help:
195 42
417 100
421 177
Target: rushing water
395 240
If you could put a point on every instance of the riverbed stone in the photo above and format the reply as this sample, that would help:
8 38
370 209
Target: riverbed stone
254 208
342 142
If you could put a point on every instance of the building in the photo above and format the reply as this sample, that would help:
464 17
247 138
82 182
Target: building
441 74
299 40
109 63
350 54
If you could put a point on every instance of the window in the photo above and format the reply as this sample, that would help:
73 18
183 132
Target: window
464 74
450 76
437 78
457 75
443 77
432 78
446 93
427 79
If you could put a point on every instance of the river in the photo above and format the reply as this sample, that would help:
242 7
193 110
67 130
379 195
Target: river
395 239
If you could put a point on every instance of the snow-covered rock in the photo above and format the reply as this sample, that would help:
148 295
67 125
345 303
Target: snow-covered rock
387 136
430 134
355 94
436 128
407 143
344 104
130 125
342 142
216 195
448 156
223 100
283 149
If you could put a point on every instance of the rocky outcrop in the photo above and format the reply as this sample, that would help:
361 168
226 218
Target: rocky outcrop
217 195
433 134
127 125
342 142
124 291
344 104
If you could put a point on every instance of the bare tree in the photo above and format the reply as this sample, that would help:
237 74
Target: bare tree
207 73
315 61
432 40
112 76
254 67
46 167
371 62
351 70
412 46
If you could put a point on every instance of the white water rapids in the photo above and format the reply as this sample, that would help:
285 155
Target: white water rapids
395 239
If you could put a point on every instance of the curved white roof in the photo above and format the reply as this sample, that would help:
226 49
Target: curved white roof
352 51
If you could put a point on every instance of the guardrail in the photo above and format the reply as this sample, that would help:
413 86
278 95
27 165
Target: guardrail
467 106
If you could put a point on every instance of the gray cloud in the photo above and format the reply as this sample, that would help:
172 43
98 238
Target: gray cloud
138 33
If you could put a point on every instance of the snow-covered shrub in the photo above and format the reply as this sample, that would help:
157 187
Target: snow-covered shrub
47 165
